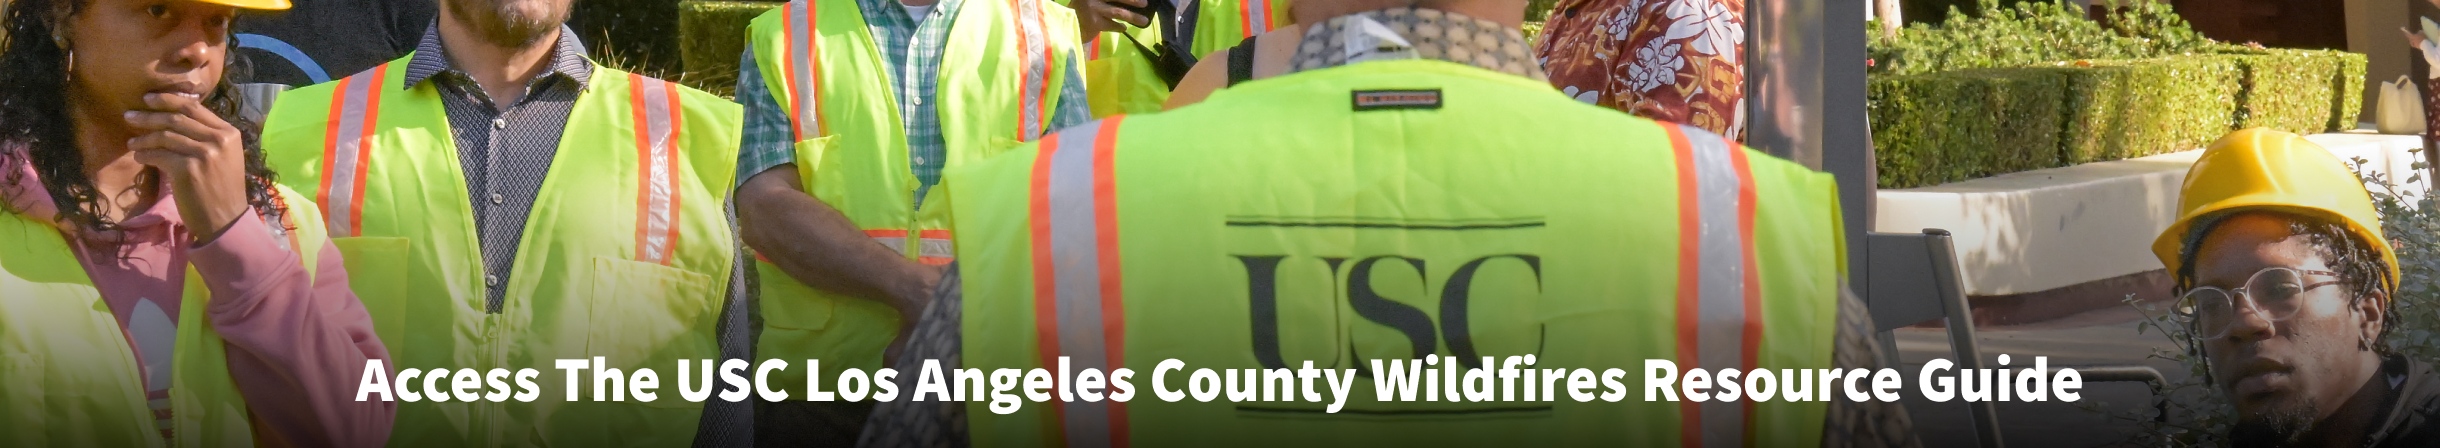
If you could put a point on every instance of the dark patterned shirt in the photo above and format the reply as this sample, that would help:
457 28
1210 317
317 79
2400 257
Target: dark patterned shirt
504 149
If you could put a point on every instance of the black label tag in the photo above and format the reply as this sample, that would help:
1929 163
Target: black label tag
1396 99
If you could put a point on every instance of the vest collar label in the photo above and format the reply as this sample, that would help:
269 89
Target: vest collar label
1396 99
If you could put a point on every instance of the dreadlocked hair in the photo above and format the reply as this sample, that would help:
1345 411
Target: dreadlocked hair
34 115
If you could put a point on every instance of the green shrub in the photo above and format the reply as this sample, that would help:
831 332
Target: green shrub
2024 34
2033 32
2347 87
1936 12
716 37
2140 83
2285 90
643 34
1539 10
1952 126
2412 225
2124 109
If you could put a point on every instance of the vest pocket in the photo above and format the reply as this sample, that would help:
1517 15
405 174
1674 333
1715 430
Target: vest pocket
998 145
377 272
650 316
22 413
809 158
789 304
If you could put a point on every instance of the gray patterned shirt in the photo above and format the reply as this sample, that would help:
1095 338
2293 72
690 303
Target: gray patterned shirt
506 150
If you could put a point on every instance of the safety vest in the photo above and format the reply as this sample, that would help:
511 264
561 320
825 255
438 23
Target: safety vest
625 255
1466 214
1224 23
1122 76
67 376
1000 78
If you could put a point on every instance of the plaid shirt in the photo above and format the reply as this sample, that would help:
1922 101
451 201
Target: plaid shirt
913 52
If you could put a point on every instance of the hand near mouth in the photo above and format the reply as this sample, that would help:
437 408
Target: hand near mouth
201 155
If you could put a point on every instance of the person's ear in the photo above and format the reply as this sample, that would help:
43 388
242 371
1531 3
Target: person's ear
2371 307
64 12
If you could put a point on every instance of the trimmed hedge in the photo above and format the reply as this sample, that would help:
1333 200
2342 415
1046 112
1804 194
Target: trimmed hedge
2125 109
1952 126
2348 104
2299 90
2288 91
2141 82
1949 126
716 37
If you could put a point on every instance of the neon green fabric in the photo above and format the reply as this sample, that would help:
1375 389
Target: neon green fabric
67 377
1507 221
1122 76
624 255
1224 23
999 84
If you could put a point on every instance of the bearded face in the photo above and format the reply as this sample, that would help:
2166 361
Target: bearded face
511 23
2278 426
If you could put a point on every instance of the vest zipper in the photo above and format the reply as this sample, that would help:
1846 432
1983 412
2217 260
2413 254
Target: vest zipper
489 412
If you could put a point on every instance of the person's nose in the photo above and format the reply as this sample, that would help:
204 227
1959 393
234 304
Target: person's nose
2249 323
199 46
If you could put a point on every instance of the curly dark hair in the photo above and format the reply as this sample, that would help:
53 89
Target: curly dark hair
34 114
2360 268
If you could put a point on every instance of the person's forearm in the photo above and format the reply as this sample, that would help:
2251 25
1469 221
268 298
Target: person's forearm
297 344
817 245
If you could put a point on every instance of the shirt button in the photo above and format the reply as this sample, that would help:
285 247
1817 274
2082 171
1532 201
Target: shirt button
499 123
919 101
497 198
918 160
491 280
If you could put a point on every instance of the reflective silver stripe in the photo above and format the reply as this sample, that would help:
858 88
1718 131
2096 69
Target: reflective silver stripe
1036 55
897 243
1076 255
1258 16
346 155
801 89
935 248
659 197
1720 340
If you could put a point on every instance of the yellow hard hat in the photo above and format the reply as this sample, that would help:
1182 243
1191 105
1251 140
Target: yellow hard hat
251 4
2264 169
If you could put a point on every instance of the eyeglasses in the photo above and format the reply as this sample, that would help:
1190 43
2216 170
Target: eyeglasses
2273 293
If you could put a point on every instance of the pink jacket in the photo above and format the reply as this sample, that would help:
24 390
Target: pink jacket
297 344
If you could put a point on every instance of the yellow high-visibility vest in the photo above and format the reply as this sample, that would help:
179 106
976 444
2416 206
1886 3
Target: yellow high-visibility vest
625 256
1447 210
67 376
1122 76
1000 78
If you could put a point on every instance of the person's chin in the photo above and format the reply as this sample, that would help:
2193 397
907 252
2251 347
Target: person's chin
2273 419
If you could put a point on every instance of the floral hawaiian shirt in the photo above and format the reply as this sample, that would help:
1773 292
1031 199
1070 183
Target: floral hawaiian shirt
1669 60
